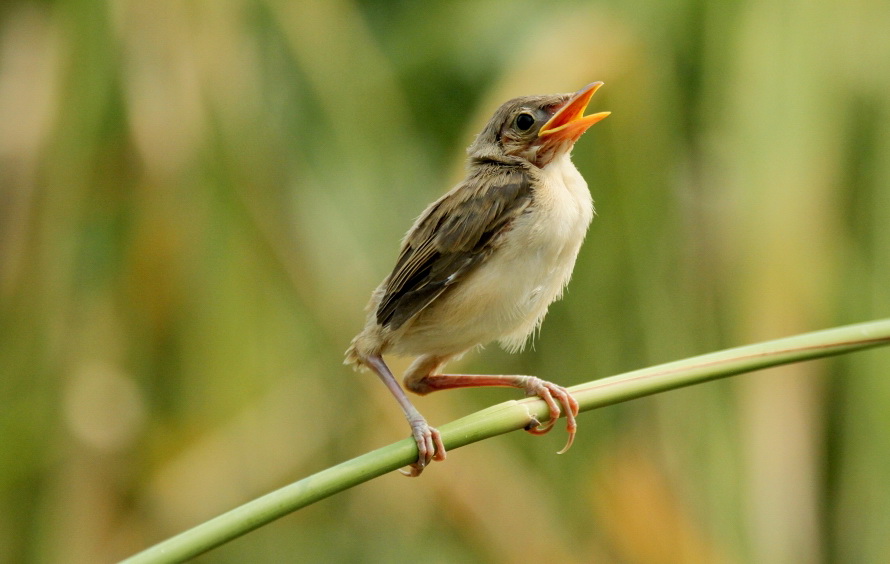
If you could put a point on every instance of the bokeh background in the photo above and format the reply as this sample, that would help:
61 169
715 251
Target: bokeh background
196 199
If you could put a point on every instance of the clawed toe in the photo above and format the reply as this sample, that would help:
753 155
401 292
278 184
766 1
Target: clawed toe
413 470
558 400
429 447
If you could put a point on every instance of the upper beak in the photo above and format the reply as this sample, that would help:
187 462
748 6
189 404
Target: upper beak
569 123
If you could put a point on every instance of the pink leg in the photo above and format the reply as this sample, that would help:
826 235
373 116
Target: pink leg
428 439
422 380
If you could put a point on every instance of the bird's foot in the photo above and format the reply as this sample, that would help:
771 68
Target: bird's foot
429 446
554 396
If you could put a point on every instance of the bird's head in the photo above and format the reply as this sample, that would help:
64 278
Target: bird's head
537 128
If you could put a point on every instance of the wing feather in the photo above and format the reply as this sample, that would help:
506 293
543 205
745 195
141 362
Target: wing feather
451 238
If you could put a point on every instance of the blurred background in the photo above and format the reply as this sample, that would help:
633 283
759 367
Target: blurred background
197 198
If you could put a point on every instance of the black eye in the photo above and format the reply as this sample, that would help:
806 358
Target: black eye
524 121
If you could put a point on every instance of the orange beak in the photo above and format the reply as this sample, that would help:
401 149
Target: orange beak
569 123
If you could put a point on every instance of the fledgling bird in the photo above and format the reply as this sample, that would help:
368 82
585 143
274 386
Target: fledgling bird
486 260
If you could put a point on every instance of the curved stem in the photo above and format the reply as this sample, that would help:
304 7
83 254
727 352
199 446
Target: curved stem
511 416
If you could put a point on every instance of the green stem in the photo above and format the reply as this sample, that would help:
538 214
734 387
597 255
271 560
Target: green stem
510 416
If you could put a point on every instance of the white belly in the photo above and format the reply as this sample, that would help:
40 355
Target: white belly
510 292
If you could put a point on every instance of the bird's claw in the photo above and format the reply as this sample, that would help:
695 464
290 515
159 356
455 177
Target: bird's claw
554 396
429 446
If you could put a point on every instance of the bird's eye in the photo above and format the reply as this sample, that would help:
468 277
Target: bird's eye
524 121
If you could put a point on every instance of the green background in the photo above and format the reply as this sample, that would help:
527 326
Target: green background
196 199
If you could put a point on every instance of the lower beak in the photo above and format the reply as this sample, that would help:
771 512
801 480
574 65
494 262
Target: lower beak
569 122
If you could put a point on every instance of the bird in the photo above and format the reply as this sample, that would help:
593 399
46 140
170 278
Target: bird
484 262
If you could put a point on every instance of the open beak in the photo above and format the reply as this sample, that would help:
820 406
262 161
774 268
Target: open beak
569 123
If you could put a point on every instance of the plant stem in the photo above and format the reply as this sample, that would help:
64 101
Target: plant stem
510 416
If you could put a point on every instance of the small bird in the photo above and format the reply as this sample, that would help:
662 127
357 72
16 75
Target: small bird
485 261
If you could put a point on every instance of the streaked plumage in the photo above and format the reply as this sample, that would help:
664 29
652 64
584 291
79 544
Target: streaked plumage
485 261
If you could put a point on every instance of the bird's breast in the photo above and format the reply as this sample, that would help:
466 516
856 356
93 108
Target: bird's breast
533 261
545 241
506 297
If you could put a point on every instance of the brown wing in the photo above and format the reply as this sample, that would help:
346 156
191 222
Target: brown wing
451 238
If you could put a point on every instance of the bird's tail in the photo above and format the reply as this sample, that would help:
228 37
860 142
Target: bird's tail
352 358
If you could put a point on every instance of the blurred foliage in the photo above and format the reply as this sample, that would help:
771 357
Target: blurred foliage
196 199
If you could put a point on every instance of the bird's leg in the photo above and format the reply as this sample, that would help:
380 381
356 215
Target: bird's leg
428 439
422 378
